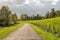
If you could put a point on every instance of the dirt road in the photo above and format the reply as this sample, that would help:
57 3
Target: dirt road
24 33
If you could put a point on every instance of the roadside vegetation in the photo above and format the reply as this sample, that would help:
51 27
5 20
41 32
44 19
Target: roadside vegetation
50 23
49 27
8 21
43 34
5 31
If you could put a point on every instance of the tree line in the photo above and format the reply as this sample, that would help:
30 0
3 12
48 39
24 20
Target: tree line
51 14
24 17
7 17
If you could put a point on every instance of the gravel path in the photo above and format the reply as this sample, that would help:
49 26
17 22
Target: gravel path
24 33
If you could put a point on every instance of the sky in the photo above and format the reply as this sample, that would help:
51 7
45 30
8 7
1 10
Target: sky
31 6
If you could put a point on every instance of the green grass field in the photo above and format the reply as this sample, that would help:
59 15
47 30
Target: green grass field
49 28
4 31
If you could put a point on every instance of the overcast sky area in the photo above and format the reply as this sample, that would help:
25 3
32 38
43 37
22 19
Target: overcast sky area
31 6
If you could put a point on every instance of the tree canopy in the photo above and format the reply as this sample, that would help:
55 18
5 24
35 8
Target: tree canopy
6 17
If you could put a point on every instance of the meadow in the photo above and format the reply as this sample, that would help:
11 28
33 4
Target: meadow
48 28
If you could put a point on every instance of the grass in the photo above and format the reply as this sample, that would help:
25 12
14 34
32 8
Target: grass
45 35
49 29
49 25
5 31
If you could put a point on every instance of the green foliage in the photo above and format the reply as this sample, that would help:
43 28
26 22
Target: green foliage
43 34
5 14
49 25
6 17
52 14
14 18
47 15
58 13
25 17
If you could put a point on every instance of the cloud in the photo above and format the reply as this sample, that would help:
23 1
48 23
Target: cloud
32 3
31 6
55 2
6 0
35 2
27 2
47 0
38 3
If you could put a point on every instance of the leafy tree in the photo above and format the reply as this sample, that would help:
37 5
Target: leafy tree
47 15
58 13
52 14
5 15
14 18
33 17
24 17
38 17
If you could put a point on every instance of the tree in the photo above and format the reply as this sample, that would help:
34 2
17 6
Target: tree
14 18
5 15
24 17
52 14
33 17
47 15
58 13
38 17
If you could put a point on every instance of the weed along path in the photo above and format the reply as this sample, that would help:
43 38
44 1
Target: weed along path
24 33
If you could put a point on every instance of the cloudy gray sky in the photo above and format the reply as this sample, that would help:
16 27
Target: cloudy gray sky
31 6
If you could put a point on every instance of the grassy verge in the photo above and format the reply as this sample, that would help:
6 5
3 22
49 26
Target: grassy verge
45 35
4 31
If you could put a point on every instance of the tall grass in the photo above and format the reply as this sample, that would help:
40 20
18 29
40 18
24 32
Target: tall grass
44 35
49 25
